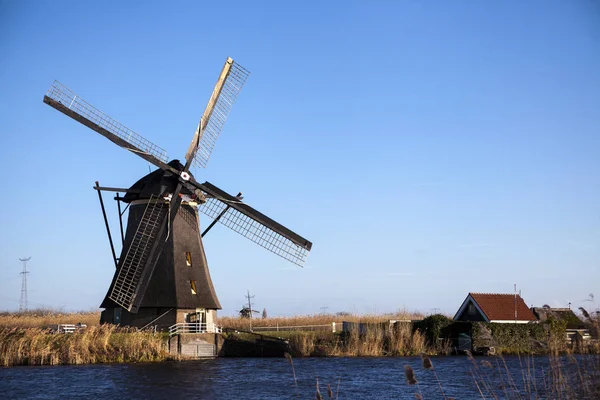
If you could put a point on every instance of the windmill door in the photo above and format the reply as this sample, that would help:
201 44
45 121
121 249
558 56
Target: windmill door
198 318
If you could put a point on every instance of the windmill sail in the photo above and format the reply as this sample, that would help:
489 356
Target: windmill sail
253 225
64 100
135 271
230 82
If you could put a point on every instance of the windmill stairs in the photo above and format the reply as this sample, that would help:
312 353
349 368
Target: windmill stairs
140 250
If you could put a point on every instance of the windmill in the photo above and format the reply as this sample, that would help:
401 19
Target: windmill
162 275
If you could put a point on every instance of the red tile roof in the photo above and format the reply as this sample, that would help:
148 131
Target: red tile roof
501 307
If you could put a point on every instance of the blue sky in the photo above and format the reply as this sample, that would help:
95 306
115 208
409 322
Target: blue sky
427 149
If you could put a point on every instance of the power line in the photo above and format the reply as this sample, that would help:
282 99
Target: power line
250 306
23 302
249 302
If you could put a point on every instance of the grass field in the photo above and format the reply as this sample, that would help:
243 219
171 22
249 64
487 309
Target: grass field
307 320
44 318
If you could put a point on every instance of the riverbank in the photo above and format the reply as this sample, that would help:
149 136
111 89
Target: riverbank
372 342
28 338
111 344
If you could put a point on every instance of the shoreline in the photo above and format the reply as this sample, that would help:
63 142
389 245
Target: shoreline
26 339
108 344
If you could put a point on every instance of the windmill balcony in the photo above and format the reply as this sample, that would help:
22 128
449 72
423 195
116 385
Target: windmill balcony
193 327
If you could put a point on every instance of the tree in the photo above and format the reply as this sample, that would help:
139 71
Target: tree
264 314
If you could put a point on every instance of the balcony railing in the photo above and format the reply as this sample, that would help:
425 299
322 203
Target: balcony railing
193 327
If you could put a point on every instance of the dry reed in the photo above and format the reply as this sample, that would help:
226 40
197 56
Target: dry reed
411 379
410 376
96 344
306 320
566 377
45 318
372 342
428 365
318 395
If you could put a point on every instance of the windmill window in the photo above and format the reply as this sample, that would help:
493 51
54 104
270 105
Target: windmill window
188 258
193 285
117 315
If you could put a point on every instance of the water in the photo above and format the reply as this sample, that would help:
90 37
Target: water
264 378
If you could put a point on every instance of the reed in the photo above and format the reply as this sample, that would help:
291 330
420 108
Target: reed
44 318
567 377
372 342
428 365
96 344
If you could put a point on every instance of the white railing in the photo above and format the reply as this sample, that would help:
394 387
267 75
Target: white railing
69 328
283 328
193 327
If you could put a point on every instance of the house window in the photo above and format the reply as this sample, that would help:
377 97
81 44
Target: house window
471 309
188 258
193 285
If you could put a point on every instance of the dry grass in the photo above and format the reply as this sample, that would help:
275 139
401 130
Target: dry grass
564 377
96 344
377 342
316 319
374 342
44 318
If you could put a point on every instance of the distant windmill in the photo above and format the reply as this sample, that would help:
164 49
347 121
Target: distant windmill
162 275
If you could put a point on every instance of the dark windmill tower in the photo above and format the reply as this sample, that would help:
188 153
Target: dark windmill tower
162 275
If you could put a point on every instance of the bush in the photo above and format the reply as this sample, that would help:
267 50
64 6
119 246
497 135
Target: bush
431 327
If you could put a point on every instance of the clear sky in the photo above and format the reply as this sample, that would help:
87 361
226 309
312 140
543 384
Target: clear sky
427 149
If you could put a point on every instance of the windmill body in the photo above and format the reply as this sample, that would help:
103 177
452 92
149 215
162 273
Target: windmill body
162 276
180 289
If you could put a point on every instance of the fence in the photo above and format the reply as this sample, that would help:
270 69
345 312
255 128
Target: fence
286 328
363 327
69 328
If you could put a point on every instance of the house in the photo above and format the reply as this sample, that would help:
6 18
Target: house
495 307
576 329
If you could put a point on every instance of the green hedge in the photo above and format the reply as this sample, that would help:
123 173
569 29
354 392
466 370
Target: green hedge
518 338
